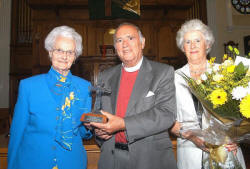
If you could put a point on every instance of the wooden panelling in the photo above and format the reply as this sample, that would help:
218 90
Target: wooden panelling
3 151
3 158
4 120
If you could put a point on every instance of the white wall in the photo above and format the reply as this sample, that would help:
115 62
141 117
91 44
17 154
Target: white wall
5 17
227 24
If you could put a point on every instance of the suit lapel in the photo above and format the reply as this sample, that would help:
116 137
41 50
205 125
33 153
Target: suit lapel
141 86
114 85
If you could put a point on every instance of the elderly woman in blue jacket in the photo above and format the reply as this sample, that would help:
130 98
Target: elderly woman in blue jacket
46 132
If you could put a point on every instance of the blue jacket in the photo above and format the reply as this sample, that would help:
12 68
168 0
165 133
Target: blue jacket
32 142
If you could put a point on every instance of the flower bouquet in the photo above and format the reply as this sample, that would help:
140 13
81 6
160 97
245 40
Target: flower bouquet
224 91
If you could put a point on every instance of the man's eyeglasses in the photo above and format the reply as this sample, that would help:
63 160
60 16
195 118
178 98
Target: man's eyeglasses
61 52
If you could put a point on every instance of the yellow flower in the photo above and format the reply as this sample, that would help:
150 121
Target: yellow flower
63 79
71 96
230 69
245 106
248 72
225 57
236 51
218 97
63 107
230 48
217 77
211 61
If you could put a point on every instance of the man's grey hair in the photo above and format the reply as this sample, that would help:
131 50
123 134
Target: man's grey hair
195 25
63 31
130 24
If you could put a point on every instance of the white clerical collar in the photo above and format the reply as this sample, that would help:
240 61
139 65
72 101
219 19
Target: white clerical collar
134 68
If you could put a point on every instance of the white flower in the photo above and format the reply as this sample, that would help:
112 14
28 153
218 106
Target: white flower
216 68
239 92
198 81
217 77
204 77
227 63
209 70
248 89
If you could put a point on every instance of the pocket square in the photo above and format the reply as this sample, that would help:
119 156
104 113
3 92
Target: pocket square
150 93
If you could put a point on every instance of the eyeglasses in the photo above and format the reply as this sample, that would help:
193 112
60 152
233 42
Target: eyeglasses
196 42
61 52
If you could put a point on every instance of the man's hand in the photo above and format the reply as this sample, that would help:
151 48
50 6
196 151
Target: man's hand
102 134
196 140
113 125
199 143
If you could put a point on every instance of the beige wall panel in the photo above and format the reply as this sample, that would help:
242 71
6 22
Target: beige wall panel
227 27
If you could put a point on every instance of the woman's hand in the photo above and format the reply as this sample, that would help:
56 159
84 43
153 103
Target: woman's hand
232 147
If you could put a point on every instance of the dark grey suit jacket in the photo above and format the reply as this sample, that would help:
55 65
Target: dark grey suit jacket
147 118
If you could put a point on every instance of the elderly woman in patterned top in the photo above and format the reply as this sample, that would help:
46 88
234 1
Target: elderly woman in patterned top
46 132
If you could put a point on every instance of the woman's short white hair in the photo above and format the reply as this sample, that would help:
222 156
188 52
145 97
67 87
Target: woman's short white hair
195 25
63 31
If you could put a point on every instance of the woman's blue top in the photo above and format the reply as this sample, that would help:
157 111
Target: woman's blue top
46 131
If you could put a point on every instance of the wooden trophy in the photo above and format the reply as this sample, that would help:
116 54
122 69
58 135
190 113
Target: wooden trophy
96 115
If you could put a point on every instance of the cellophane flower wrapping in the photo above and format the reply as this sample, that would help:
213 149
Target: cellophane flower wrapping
224 91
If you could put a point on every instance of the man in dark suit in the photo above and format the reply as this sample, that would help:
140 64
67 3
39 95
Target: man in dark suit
140 109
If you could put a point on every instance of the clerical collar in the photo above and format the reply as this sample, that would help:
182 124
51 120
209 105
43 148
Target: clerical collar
134 68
